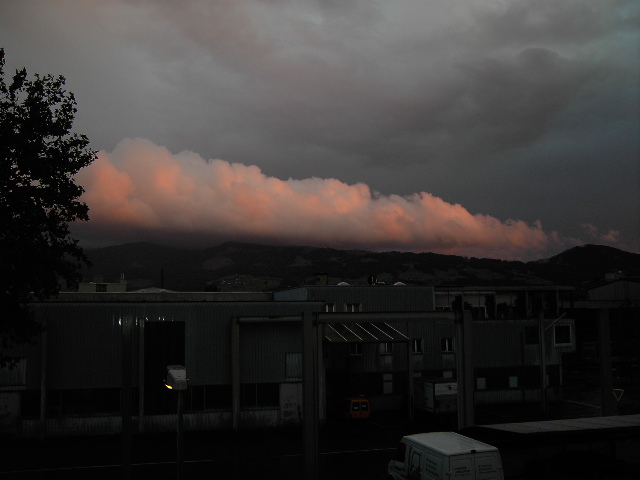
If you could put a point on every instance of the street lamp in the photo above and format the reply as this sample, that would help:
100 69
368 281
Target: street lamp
177 380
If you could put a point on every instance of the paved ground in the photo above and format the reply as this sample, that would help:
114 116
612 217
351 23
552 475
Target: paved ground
347 451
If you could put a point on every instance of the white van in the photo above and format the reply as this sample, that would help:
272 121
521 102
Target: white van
444 455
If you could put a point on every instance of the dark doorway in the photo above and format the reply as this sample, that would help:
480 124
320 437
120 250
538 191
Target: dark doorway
163 345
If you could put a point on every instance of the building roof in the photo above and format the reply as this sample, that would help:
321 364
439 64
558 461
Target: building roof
503 288
577 430
160 295
573 425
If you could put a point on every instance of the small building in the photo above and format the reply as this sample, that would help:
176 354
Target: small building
100 286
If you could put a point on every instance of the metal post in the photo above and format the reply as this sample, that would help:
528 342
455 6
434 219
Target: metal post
141 391
310 397
410 375
126 396
180 439
43 384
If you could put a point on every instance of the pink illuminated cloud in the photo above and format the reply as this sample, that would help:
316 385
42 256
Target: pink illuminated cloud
143 187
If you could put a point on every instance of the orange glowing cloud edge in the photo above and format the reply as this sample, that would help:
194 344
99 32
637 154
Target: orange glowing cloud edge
141 186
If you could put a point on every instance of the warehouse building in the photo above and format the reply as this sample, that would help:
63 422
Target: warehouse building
104 353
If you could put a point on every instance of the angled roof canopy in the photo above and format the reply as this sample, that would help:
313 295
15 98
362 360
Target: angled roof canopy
363 332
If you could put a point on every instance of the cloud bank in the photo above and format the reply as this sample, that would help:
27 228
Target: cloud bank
514 109
146 191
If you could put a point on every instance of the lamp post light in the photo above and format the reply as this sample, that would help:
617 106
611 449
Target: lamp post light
177 380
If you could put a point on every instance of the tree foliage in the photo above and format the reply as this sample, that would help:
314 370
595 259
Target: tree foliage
39 198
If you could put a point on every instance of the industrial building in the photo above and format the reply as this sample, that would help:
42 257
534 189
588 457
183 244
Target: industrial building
103 355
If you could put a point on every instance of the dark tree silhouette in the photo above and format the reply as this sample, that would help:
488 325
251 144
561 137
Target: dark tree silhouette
39 198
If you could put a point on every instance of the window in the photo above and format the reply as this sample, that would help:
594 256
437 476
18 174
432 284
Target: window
83 402
352 307
293 366
260 395
446 345
415 464
386 348
329 307
562 335
416 345
531 336
531 376
355 349
199 398
497 378
401 452
387 383
481 378
554 376
30 403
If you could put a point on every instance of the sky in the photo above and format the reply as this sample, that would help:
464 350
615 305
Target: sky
489 128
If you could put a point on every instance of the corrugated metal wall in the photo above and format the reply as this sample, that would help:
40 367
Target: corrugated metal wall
500 343
619 290
84 341
430 331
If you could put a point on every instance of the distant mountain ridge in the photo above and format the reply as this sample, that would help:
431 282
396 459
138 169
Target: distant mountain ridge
235 266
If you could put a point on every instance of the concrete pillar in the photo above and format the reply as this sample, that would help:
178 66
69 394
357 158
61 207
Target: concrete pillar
543 362
465 369
126 399
310 396
235 372
606 370
320 372
410 411
141 392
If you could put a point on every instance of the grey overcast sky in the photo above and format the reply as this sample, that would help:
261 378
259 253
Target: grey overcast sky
492 128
